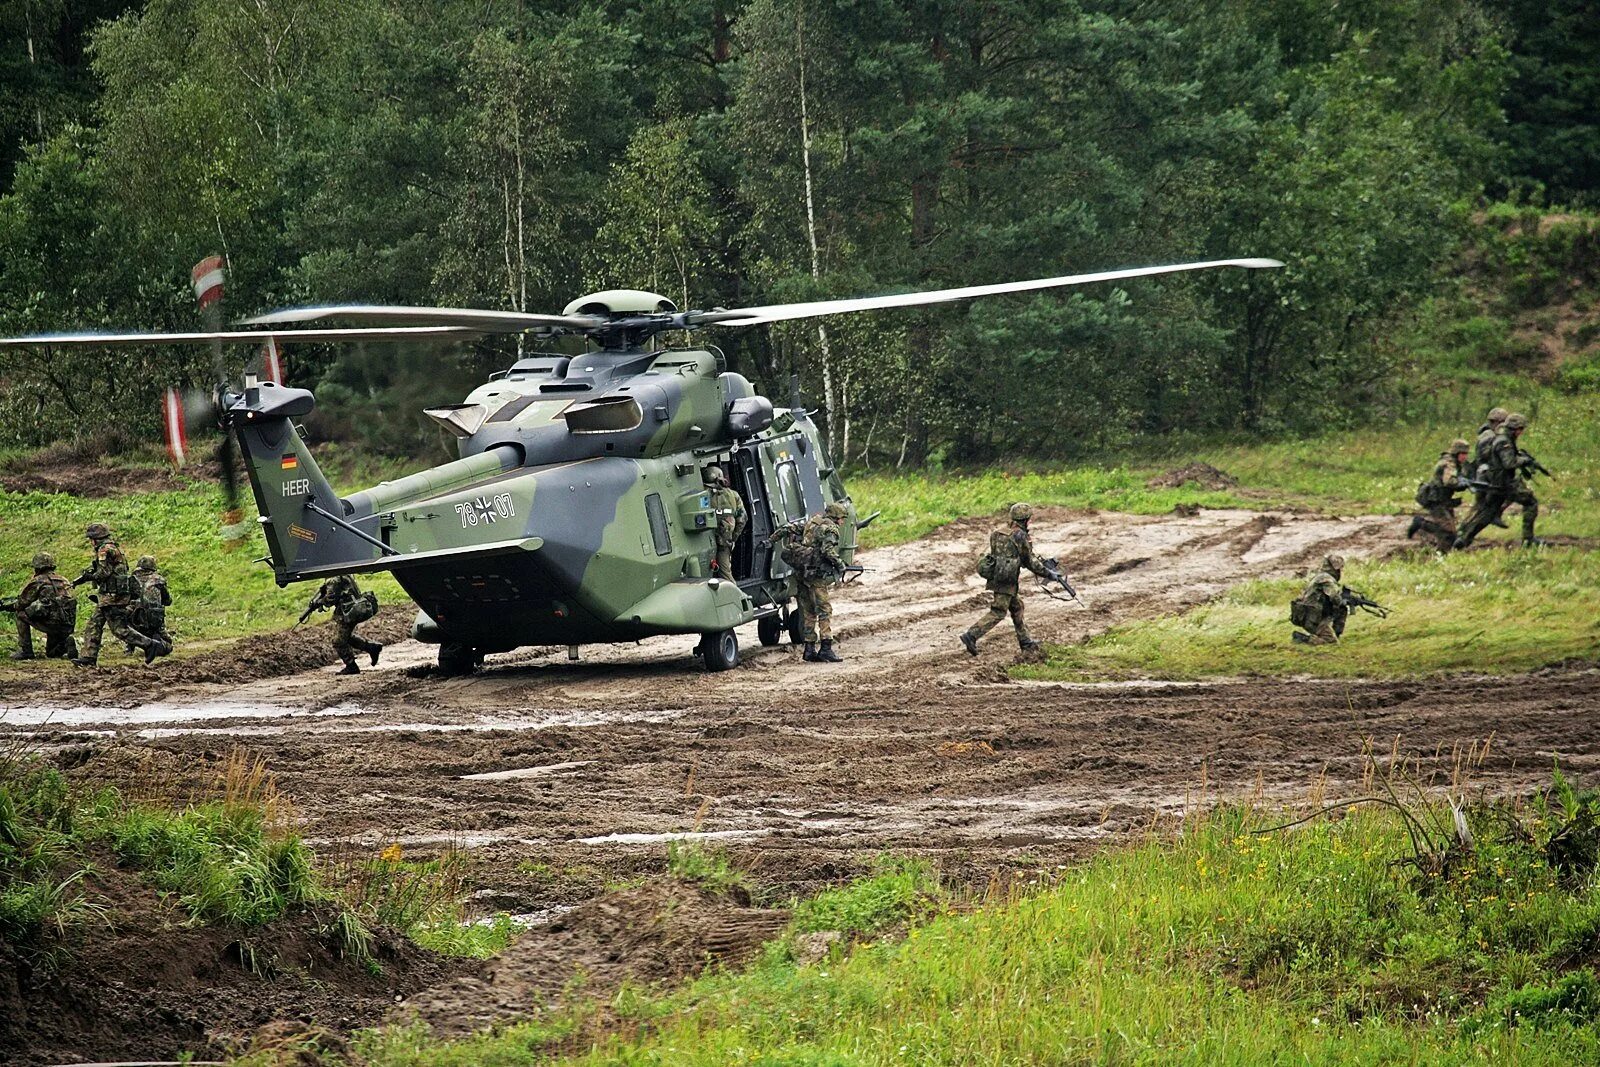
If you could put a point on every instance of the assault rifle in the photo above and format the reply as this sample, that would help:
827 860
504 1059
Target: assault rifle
852 572
1054 573
1531 466
315 605
1353 599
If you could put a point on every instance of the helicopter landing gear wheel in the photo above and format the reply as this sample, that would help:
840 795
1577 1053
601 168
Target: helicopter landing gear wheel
721 650
456 659
768 629
795 622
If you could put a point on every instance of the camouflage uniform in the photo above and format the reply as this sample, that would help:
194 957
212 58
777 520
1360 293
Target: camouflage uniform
821 568
151 613
1324 597
731 520
1502 466
117 593
1437 496
1012 551
343 595
1480 456
46 604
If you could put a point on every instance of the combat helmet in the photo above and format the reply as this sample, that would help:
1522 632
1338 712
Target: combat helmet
97 531
1333 564
1497 416
42 562
1458 446
716 476
146 563
836 511
1516 421
1021 512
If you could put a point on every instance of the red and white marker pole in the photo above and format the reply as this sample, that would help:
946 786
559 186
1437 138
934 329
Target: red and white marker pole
172 427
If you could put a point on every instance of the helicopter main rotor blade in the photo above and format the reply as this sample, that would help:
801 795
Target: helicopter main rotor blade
783 312
402 315
128 339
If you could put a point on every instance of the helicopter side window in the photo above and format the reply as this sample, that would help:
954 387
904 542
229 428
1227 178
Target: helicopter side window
794 502
657 513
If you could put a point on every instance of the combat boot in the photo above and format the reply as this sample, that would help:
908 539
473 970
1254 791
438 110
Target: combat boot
970 643
1416 524
150 654
373 648
1030 645
22 653
85 661
826 654
1301 637
1497 521
810 653
350 667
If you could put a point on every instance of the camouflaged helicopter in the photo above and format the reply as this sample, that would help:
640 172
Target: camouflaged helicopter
578 511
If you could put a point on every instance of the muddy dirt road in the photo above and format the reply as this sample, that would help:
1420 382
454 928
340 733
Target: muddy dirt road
559 776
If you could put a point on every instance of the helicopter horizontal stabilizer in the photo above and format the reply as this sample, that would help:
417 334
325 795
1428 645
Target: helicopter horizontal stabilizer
784 312
417 559
123 340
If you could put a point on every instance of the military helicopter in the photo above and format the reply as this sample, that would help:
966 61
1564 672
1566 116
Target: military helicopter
578 511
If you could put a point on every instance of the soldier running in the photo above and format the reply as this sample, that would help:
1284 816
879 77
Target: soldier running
1438 500
731 520
46 604
1010 550
1505 468
117 593
350 607
812 549
1320 610
151 614
1480 456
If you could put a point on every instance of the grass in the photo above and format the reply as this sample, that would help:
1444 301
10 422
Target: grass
1480 612
1335 942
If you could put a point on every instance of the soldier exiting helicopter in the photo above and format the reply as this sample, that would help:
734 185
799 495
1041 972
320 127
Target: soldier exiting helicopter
1010 550
46 604
350 607
812 549
731 520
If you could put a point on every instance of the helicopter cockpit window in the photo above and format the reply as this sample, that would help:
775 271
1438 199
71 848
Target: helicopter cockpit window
794 502
606 414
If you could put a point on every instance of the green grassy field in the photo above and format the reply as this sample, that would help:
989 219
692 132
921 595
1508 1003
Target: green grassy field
1481 612
1337 942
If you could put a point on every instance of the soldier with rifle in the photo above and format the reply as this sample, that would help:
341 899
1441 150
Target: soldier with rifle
1480 455
117 594
1323 607
350 607
1010 552
1438 499
1505 474
46 604
731 520
150 614
811 548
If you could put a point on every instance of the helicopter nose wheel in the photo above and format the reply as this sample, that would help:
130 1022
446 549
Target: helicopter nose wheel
720 650
769 628
457 659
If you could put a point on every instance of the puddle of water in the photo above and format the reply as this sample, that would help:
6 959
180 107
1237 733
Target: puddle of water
525 772
650 839
439 838
160 712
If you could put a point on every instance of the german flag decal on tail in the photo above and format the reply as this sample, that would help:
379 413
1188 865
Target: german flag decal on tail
290 462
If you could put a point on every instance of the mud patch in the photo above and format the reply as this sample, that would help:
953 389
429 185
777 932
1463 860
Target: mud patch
664 931
1203 475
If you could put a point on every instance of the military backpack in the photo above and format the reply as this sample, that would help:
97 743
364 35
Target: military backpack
1002 564
54 607
1306 612
359 609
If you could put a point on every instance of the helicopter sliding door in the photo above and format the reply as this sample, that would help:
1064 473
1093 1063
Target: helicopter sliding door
752 555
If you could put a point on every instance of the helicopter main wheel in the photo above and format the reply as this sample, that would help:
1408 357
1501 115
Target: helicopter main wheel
769 628
721 650
456 659
796 625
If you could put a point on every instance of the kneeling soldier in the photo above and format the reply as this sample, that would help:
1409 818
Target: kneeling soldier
46 604
1320 610
1438 500
350 607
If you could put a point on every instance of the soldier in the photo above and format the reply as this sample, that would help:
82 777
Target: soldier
46 603
350 607
1010 550
1437 497
1504 469
117 593
1480 455
154 600
1320 610
813 551
731 520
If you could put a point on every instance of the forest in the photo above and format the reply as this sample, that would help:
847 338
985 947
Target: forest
510 155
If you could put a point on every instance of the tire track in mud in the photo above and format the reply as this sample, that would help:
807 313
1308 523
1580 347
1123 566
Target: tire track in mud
806 771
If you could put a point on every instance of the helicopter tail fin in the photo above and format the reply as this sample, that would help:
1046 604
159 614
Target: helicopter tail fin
305 522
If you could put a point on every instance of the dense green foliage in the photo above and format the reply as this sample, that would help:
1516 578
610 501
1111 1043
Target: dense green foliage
513 156
1348 942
